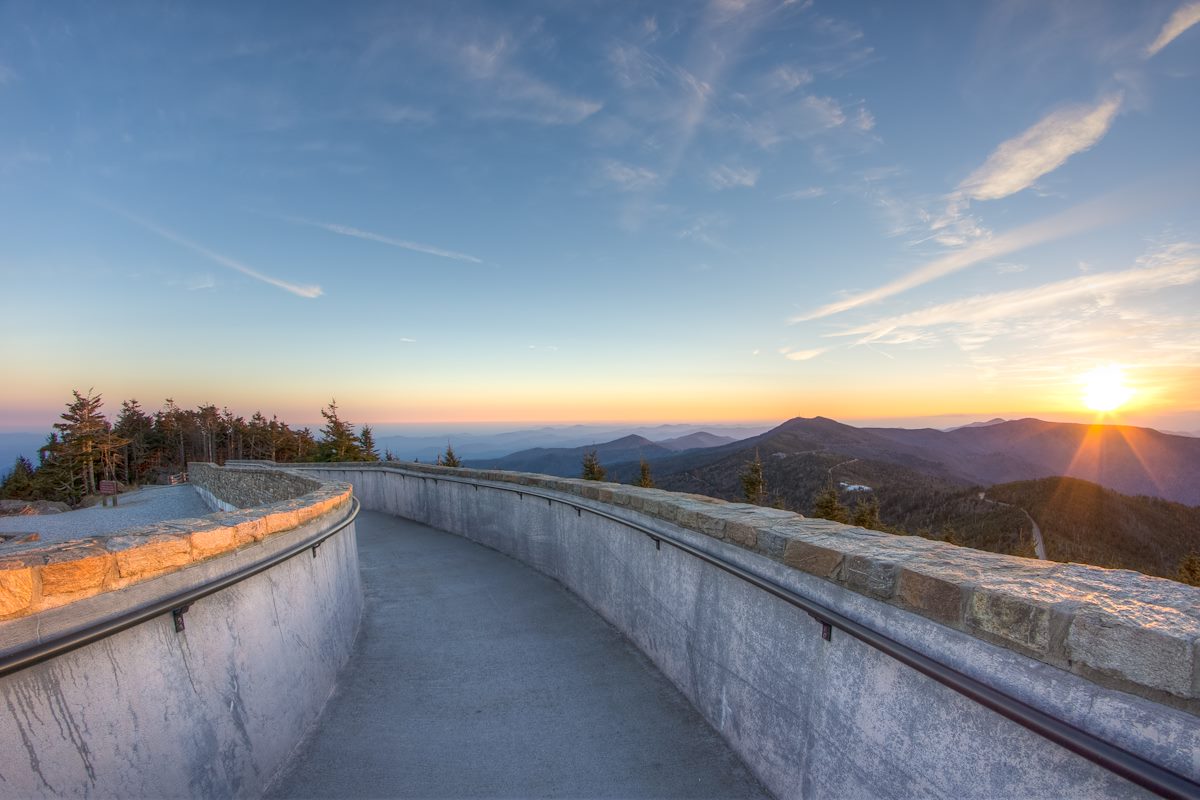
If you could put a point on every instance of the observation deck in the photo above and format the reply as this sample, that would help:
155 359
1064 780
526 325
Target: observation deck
480 633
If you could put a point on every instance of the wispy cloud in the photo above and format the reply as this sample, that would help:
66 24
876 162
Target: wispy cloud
627 177
801 355
727 177
309 291
200 282
1184 17
1178 266
514 93
1110 208
403 244
1045 147
7 76
394 114
804 194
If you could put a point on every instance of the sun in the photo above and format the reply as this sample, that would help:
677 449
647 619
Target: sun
1104 388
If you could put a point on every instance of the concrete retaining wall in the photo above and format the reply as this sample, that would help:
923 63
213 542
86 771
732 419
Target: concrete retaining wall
212 711
811 718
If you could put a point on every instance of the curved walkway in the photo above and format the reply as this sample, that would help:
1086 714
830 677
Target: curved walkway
474 676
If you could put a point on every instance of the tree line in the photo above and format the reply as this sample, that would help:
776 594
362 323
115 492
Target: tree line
141 447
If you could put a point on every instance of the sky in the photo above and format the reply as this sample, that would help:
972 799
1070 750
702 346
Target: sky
466 212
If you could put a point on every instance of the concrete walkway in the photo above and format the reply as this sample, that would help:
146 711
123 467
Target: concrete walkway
474 676
143 506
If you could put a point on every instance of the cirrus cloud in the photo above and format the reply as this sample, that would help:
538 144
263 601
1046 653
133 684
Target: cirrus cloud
1041 149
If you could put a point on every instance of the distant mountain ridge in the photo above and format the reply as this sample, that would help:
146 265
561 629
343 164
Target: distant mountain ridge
567 462
1125 459
696 440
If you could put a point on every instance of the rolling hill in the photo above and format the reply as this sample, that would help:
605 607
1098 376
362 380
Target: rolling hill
1086 523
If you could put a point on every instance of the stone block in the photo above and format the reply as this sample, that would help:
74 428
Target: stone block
16 588
771 543
710 524
139 557
213 539
76 569
871 575
1160 658
1011 618
940 597
622 497
741 533
815 559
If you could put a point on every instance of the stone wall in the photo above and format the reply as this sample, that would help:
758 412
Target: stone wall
35 578
239 485
1109 652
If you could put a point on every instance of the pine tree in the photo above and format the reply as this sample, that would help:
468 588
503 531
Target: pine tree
366 443
338 442
754 485
87 445
388 455
137 428
1189 570
19 483
644 480
449 459
592 471
866 513
827 506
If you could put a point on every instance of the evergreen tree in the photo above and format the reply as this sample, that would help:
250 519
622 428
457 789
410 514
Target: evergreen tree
388 455
827 506
592 471
87 445
449 459
366 442
866 513
19 483
1189 570
338 442
754 485
644 480
136 427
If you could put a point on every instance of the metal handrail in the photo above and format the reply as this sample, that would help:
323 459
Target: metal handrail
176 604
1158 779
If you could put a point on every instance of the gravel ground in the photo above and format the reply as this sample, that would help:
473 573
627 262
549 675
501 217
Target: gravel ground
140 507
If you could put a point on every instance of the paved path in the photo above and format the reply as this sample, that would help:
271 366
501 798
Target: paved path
474 676
140 507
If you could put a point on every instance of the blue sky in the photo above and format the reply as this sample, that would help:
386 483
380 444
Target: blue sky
574 211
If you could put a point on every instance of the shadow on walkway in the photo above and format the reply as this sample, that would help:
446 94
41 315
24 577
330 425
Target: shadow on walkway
474 676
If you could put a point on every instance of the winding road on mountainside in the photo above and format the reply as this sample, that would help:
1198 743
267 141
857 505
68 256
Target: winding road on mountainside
835 466
1039 546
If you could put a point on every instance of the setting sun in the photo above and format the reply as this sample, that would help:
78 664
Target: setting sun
1104 388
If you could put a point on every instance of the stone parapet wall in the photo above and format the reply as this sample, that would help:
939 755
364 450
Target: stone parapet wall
36 578
246 485
1117 628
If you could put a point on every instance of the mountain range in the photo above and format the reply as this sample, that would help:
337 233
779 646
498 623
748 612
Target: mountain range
980 485
566 461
